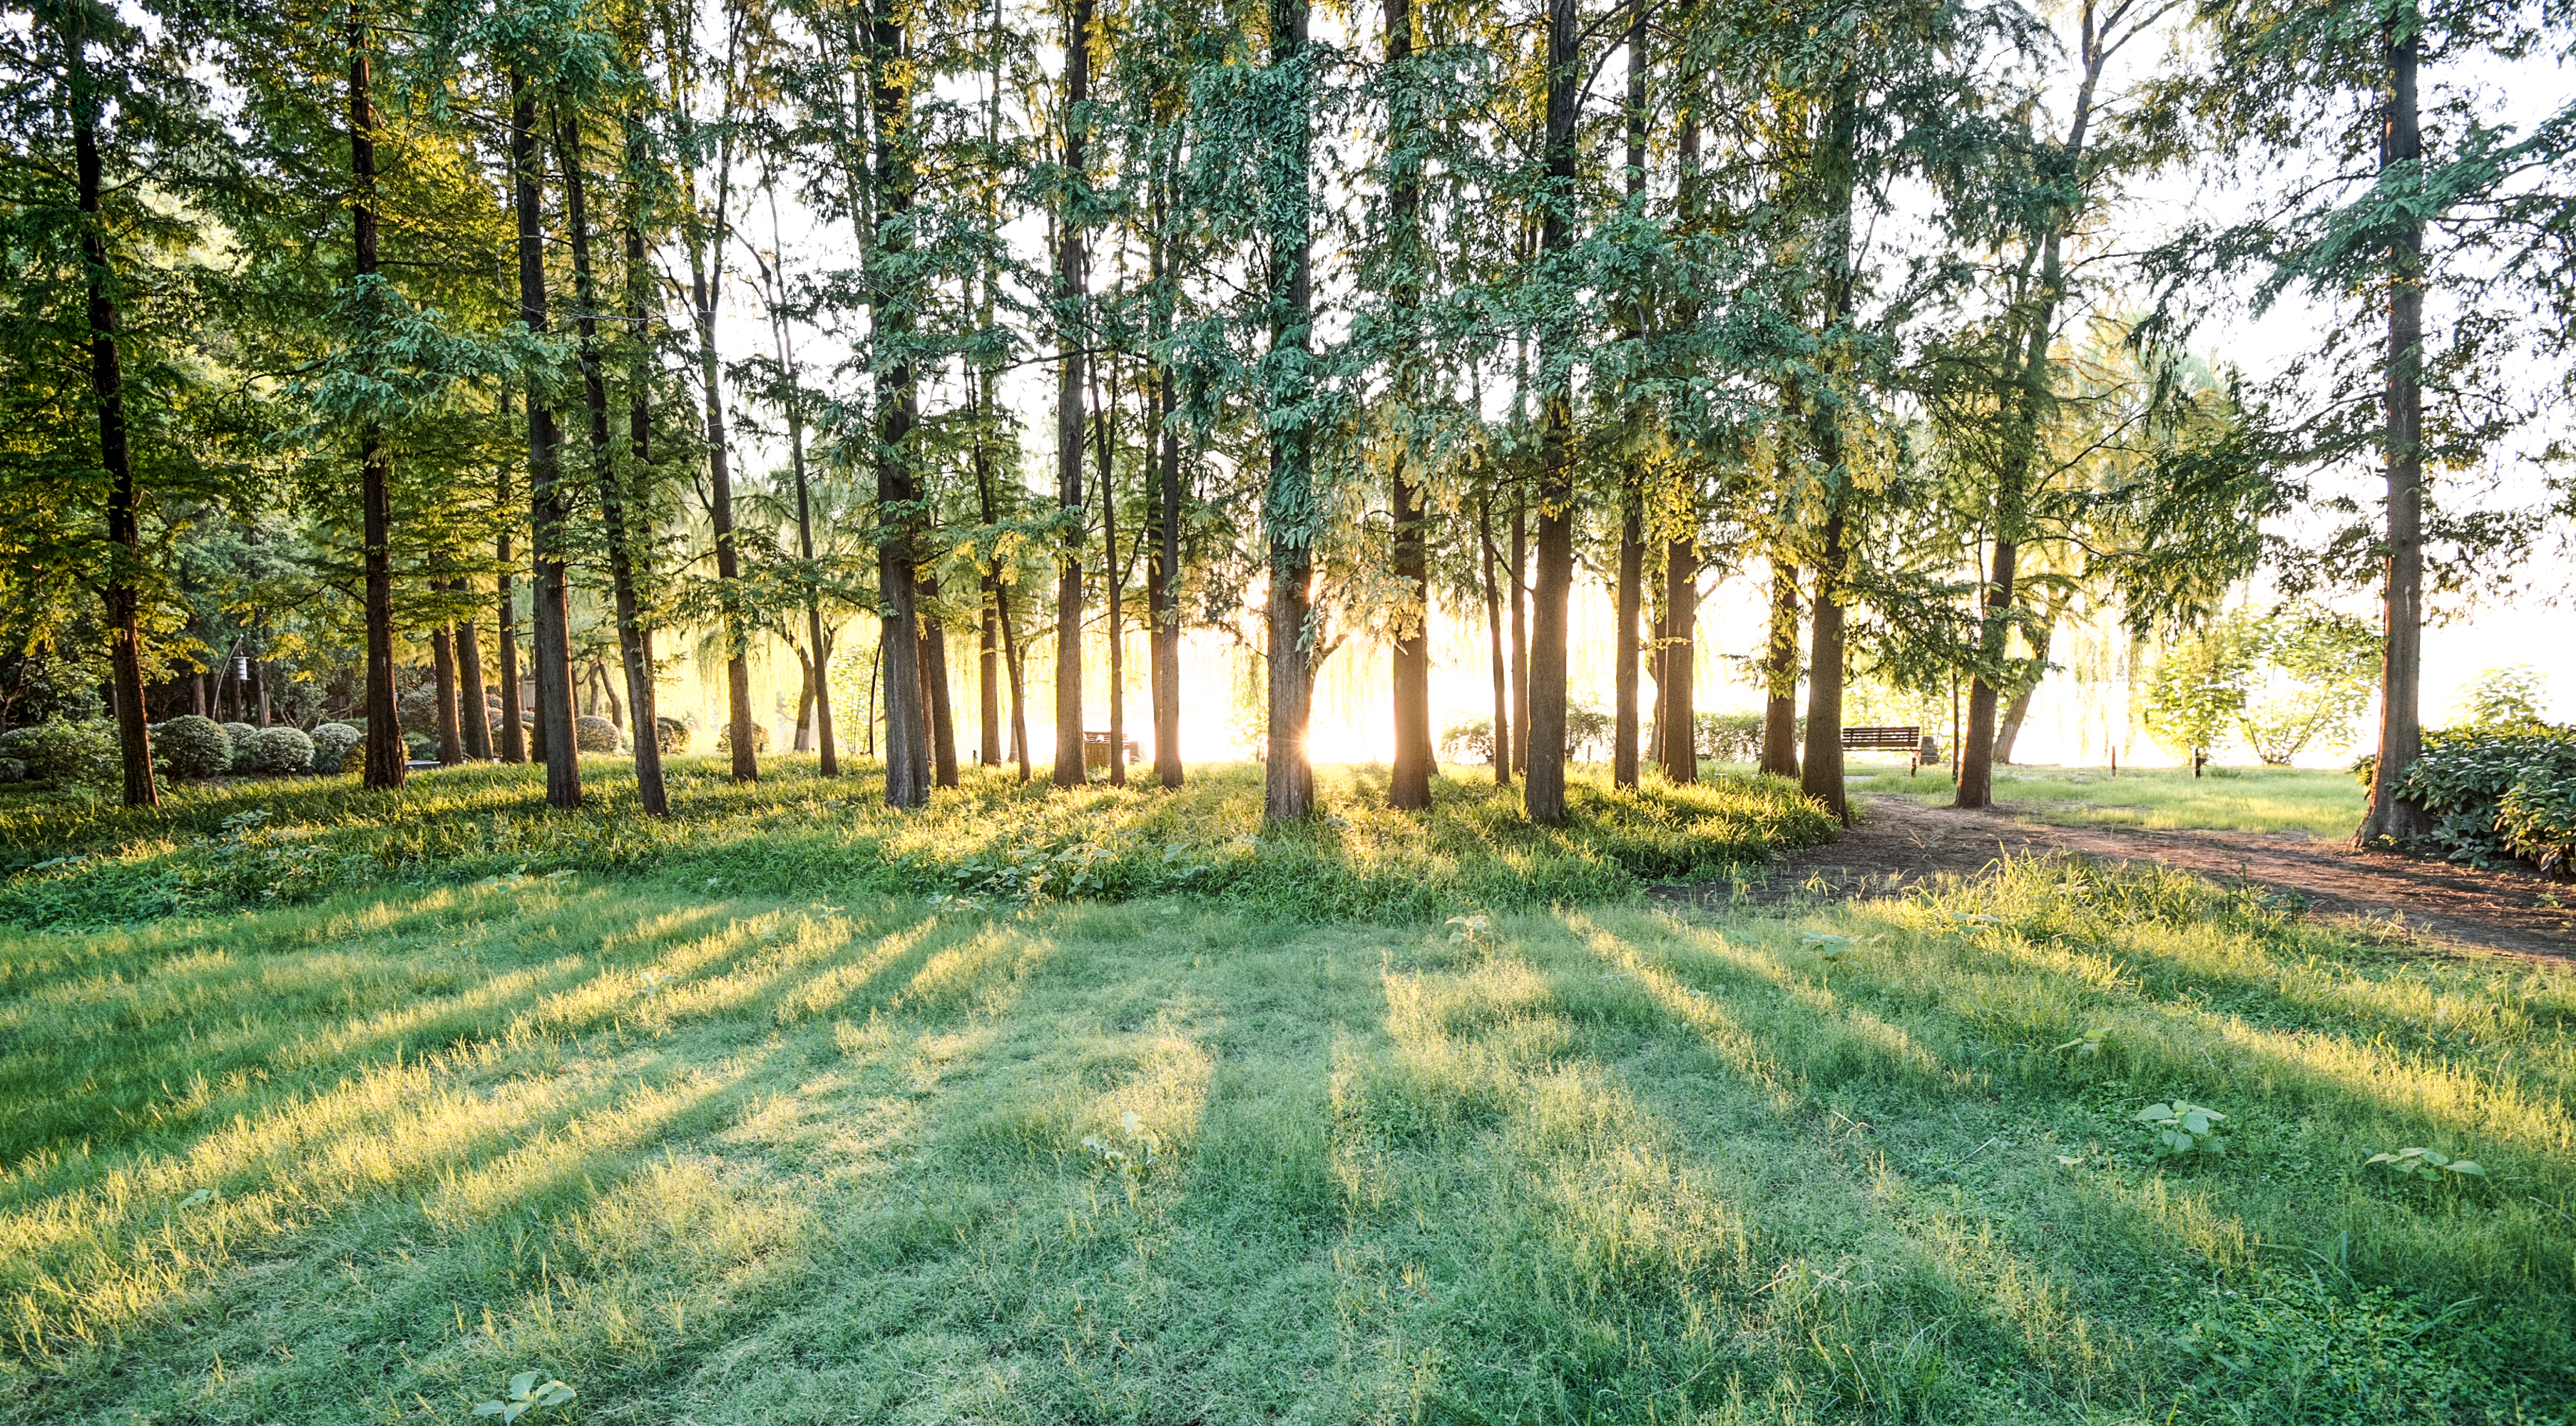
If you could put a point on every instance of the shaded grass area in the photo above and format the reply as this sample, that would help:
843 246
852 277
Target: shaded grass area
764 1159
796 833
2325 805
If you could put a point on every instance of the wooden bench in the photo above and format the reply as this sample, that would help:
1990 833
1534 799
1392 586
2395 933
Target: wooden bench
1907 740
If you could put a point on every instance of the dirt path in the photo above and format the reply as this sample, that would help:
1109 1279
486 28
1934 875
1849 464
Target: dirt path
1899 843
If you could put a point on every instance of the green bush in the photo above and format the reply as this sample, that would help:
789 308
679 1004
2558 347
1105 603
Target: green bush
594 735
240 735
193 746
2498 795
1728 737
278 750
420 745
339 747
66 753
12 770
759 737
672 735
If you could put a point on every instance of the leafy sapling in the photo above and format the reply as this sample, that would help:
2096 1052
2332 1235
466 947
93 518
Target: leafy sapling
2429 1165
527 1394
2183 1129
1132 1154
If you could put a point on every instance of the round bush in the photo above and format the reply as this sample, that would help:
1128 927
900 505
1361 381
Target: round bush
241 734
64 752
280 750
193 745
759 737
12 770
338 747
672 734
594 735
420 745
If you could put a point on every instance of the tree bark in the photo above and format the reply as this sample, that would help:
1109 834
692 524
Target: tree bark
1409 780
1071 378
513 746
829 741
1289 513
388 759
706 281
475 716
550 615
442 660
1520 633
898 519
2392 818
1780 671
634 647
934 686
1632 515
107 393
1543 784
1681 655
1113 582
1822 776
1502 749
1166 569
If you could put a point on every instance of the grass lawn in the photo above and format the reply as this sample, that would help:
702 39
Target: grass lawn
735 1154
2325 805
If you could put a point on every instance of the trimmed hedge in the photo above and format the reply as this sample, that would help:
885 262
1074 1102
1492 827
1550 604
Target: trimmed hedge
279 750
339 747
67 753
193 746
594 735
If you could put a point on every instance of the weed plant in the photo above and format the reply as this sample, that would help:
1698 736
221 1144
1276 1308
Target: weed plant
991 842
731 1157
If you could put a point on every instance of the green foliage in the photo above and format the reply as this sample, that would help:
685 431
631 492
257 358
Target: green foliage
278 750
193 746
2183 1129
66 753
2197 689
759 736
238 735
12 770
2499 794
1132 1155
1728 737
2316 672
989 842
339 747
2504 699
2428 1165
671 734
524 1394
594 735
1469 740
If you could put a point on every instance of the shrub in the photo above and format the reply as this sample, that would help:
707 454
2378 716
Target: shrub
240 735
339 747
759 737
12 770
417 710
279 749
2498 795
1728 737
672 735
419 745
1469 740
193 745
65 753
594 735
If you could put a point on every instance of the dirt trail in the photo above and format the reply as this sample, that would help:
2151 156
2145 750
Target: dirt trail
1898 843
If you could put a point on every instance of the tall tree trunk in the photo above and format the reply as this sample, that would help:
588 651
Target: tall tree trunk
387 758
1409 781
995 653
1166 565
1520 633
2401 730
551 613
830 743
634 650
934 685
107 393
1289 512
1502 751
513 747
476 715
1681 661
1780 671
1016 665
804 741
898 494
1632 517
988 677
1113 582
1543 788
1071 378
1822 776
442 660
706 282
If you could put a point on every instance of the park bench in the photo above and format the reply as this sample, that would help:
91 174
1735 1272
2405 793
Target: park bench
1908 740
1096 751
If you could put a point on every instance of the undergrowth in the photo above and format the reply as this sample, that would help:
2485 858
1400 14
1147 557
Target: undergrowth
794 833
